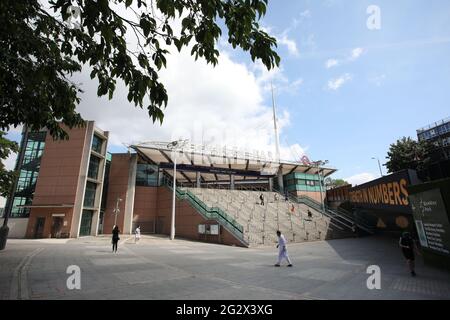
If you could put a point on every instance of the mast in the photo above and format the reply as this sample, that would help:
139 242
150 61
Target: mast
277 144
277 138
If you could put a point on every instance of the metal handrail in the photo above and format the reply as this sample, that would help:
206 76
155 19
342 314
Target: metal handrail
214 213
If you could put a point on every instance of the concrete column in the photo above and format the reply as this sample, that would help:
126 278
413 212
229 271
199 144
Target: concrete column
280 180
270 184
198 179
131 189
232 182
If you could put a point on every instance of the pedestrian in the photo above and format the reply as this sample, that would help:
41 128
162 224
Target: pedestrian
355 230
309 214
261 197
115 238
282 250
292 209
275 197
137 234
407 244
286 196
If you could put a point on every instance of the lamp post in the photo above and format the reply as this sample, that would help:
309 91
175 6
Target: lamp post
318 164
174 145
4 229
116 211
379 165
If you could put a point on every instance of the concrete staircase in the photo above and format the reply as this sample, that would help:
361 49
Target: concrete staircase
260 222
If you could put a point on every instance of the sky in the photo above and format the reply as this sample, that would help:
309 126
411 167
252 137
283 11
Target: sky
354 77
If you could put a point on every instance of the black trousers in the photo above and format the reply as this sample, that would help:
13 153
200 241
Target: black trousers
114 248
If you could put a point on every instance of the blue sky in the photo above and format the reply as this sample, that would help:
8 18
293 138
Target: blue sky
343 92
398 84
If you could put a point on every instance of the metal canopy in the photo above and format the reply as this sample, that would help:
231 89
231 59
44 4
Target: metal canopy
219 164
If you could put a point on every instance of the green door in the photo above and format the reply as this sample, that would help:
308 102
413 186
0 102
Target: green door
86 222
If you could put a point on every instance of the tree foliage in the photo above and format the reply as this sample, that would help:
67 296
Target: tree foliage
6 176
407 153
40 50
334 183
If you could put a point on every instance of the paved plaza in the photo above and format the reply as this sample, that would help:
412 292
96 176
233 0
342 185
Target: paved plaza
157 268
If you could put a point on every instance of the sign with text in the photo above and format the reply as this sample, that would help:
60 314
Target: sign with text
387 193
431 219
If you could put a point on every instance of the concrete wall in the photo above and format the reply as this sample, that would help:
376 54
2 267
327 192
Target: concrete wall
58 181
119 177
187 220
146 208
17 227
312 194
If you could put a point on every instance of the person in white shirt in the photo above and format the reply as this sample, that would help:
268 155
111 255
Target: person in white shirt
282 250
137 234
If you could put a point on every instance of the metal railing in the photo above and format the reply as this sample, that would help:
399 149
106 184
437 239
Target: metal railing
208 213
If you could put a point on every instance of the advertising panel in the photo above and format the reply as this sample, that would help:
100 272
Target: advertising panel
431 219
387 193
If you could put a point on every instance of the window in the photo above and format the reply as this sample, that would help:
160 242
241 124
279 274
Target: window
94 164
147 175
89 196
20 212
97 143
29 171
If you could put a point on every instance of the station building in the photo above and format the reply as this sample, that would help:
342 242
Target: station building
75 188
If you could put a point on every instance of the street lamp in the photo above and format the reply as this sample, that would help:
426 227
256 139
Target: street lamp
116 211
379 165
318 164
174 145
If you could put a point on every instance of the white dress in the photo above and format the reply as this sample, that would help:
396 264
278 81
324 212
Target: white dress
138 233
282 250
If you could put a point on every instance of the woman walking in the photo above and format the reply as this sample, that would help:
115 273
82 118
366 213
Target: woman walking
115 238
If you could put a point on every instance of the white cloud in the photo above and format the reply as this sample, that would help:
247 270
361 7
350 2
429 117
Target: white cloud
9 163
331 63
335 84
360 178
356 53
290 44
276 78
217 106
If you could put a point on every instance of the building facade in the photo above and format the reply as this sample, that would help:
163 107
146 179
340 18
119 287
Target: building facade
74 188
60 184
438 134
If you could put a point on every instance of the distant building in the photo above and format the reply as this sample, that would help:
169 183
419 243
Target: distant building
438 133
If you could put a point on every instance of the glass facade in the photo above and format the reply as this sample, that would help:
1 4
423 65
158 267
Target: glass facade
97 143
147 175
29 171
303 182
89 196
94 165
86 222
438 130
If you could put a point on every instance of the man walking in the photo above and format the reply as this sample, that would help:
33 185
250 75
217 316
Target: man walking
261 197
137 234
408 247
282 250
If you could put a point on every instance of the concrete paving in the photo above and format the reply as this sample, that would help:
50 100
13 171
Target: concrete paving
157 268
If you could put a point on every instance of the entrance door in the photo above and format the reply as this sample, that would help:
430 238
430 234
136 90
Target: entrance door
39 229
86 221
57 223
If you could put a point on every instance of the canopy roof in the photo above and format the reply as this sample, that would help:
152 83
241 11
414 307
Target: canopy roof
216 165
